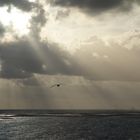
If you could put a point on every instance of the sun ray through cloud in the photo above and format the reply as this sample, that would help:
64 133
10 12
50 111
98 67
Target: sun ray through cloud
82 44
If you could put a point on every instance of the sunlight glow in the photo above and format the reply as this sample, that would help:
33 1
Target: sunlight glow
15 19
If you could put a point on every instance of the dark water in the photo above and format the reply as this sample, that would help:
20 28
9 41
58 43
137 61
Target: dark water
69 126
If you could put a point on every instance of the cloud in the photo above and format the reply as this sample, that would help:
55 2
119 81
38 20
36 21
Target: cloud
96 6
2 30
18 60
21 60
62 14
115 62
38 21
24 5
34 21
24 57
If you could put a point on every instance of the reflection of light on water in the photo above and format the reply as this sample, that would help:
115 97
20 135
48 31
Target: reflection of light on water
6 117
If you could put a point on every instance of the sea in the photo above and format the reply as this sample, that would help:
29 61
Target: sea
69 125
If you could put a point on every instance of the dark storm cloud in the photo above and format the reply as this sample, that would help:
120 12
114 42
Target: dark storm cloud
18 60
24 5
2 30
21 60
96 6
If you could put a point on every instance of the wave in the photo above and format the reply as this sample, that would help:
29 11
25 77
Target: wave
12 114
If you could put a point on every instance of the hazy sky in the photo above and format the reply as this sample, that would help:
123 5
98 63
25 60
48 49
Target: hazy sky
92 47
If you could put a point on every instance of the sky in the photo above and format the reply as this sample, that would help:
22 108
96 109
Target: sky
91 47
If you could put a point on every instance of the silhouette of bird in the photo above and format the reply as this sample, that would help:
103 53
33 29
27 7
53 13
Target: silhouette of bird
56 85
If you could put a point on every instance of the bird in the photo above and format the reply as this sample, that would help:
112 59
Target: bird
56 85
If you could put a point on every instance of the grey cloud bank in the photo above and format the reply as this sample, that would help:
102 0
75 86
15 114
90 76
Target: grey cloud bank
24 5
25 57
97 6
21 60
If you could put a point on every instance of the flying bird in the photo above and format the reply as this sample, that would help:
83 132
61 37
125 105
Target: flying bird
56 85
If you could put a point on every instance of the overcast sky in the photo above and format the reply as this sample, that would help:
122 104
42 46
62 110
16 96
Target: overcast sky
92 47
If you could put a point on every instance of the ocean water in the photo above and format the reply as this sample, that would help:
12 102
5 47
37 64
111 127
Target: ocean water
69 126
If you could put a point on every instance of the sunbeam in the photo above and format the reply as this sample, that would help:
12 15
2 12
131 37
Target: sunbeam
60 54
15 19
